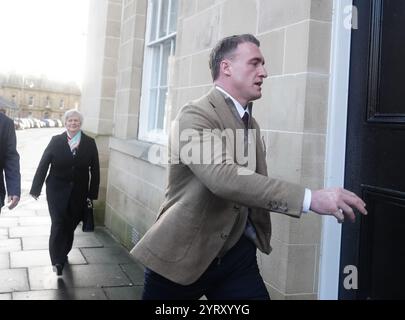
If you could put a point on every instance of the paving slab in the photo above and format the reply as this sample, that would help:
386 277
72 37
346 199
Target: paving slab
42 242
18 213
113 255
13 280
42 212
4 261
87 241
62 294
79 231
78 276
35 243
5 296
124 293
8 222
105 237
29 231
34 221
10 245
37 205
3 232
34 258
134 272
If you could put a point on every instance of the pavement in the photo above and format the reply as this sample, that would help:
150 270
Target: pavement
99 268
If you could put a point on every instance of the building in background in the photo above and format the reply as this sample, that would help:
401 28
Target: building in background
9 108
147 58
39 97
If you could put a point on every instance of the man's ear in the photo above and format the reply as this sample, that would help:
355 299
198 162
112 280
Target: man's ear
226 67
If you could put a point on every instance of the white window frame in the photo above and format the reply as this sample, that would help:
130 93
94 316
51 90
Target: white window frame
47 102
155 136
62 103
31 101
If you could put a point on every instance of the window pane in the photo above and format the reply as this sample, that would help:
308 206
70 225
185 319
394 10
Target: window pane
161 108
173 16
164 14
165 60
152 109
163 22
155 66
155 10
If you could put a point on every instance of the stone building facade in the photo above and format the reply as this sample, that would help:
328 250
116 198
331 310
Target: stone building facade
141 68
38 97
9 108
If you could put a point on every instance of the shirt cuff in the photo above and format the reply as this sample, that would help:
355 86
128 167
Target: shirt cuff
307 201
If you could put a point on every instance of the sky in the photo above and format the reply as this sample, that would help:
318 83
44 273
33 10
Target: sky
44 37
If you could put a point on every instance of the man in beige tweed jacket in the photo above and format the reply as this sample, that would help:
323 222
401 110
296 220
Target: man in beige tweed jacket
218 198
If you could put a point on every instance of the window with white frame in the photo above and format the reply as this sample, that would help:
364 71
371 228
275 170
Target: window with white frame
61 103
159 52
31 101
47 102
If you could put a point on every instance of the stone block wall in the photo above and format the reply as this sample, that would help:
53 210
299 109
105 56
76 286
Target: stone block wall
135 186
99 85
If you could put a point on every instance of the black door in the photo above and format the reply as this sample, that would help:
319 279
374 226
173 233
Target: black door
375 161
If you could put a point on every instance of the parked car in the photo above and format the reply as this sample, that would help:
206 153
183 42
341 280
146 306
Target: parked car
27 123
59 122
19 124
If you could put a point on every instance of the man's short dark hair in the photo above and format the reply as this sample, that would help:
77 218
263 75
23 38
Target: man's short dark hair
225 48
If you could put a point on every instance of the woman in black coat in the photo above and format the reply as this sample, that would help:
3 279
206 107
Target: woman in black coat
74 177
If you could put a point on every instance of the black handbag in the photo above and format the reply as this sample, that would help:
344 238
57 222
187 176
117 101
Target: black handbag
88 217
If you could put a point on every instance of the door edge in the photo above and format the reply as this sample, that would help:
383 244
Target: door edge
329 261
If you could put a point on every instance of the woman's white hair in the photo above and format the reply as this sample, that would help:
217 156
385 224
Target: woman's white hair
71 113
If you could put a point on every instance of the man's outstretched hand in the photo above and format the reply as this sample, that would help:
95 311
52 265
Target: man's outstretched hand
337 202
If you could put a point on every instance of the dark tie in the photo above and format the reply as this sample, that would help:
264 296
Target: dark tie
245 119
249 231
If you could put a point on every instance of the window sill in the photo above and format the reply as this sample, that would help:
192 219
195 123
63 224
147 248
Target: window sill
136 148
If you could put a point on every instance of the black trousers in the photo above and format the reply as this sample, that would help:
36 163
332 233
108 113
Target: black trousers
62 234
234 277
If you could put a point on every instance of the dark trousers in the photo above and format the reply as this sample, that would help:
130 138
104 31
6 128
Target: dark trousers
233 277
62 235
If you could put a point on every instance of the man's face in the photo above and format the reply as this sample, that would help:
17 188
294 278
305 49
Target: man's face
246 71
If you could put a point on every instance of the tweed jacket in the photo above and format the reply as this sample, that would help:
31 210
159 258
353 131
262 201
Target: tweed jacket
203 198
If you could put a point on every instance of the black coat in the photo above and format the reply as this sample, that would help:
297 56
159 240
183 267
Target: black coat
9 160
71 179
